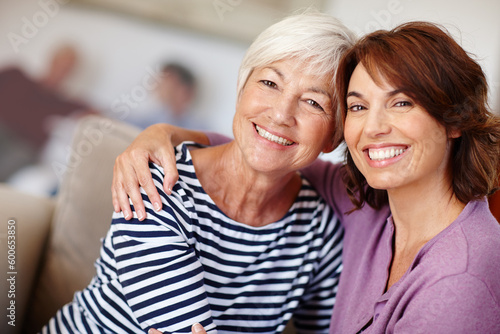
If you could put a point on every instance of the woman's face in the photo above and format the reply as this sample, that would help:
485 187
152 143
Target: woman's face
393 141
284 117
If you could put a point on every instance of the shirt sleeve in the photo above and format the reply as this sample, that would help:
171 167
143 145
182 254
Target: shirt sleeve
457 304
159 271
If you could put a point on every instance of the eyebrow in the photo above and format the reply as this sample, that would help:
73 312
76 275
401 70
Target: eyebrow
389 94
278 72
312 89
321 91
354 93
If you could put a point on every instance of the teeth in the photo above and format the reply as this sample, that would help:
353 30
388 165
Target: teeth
282 141
384 154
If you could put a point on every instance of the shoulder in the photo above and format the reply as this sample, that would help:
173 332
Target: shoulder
455 304
174 216
466 255
184 166
482 235
327 179
478 234
12 72
309 202
311 220
14 78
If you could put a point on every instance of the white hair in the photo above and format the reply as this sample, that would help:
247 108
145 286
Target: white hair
315 39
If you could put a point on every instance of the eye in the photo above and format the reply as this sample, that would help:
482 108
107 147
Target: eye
355 107
403 104
269 83
315 104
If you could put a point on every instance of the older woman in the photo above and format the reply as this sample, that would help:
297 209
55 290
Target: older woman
243 242
420 246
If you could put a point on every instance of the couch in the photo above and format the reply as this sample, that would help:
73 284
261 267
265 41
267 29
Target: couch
58 239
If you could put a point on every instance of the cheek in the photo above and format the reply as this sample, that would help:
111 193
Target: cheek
350 133
315 128
432 136
436 147
251 104
327 137
237 118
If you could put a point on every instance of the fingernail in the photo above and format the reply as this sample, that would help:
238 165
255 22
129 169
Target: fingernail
140 215
157 206
126 214
169 190
197 328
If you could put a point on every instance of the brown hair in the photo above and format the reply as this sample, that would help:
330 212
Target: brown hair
426 63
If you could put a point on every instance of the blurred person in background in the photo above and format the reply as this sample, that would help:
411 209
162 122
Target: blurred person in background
36 121
173 98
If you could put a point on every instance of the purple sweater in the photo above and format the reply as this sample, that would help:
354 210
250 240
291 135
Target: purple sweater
452 286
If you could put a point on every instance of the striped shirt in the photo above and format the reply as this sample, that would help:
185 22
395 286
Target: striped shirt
191 263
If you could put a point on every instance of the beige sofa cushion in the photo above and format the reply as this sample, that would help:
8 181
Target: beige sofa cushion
28 218
82 216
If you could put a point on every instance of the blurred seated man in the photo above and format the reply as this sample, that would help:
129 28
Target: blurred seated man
31 109
174 95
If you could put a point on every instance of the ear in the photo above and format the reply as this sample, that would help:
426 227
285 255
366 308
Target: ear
454 133
329 147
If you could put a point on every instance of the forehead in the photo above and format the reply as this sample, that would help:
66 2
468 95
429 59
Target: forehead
306 66
361 77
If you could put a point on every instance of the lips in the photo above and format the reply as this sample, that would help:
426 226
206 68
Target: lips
379 154
275 139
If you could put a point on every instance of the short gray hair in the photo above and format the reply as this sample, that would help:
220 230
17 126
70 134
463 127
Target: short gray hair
316 39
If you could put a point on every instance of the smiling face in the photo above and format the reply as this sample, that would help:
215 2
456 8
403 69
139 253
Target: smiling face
284 117
393 141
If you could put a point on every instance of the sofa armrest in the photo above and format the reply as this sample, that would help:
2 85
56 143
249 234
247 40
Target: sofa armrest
26 219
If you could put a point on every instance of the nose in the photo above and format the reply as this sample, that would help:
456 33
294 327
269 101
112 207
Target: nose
377 122
283 111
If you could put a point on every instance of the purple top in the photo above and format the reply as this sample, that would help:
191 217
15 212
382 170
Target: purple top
452 286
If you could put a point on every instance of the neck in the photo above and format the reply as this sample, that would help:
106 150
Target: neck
421 211
242 193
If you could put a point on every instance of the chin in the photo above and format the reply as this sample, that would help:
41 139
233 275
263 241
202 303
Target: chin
381 183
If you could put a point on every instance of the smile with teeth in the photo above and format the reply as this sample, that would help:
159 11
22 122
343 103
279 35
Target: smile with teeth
275 139
387 153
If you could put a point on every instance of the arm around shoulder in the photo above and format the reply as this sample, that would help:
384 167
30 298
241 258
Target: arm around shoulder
131 169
